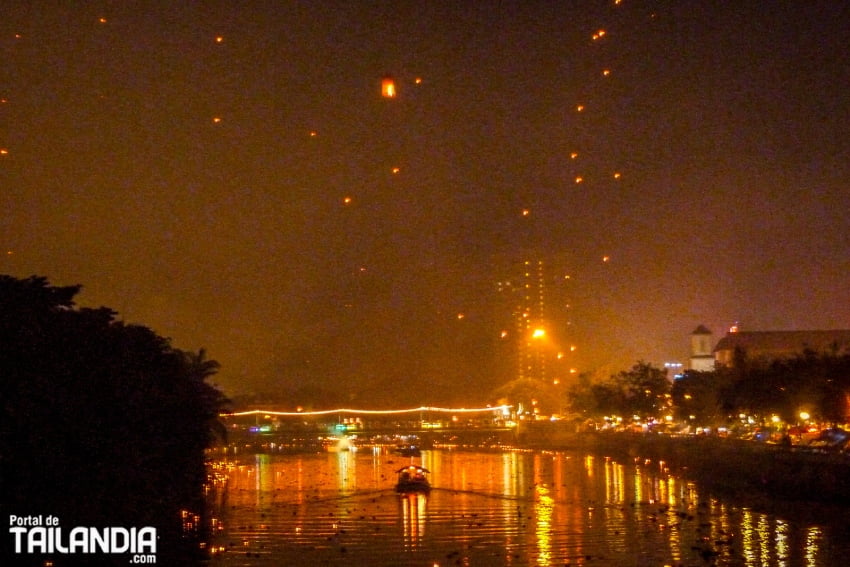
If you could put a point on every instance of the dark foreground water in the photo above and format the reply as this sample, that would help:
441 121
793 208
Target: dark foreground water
511 508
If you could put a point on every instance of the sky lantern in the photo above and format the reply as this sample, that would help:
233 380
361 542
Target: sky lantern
388 87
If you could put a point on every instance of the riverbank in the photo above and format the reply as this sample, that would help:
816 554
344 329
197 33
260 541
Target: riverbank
729 464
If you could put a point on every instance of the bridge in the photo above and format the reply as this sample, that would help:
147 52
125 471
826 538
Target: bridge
269 429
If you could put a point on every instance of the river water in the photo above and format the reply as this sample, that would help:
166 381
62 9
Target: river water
503 508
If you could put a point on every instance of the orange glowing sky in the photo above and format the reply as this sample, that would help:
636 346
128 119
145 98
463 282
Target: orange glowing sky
230 175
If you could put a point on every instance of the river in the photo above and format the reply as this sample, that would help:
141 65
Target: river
504 508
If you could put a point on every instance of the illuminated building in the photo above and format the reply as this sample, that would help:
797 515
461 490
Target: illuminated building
771 345
525 300
702 357
531 324
761 345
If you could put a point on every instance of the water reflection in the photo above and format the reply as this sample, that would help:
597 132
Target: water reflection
511 508
543 508
346 471
413 517
813 543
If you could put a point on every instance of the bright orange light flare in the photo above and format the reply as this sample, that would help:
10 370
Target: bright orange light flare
388 87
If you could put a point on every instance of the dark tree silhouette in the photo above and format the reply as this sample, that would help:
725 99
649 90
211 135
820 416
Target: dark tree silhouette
817 383
531 394
642 390
645 389
596 400
101 423
697 399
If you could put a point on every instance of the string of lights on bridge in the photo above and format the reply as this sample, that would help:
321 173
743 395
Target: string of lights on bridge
503 408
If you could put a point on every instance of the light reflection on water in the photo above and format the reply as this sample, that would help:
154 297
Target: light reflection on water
510 508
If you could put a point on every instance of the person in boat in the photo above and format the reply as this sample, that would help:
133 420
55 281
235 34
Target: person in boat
413 478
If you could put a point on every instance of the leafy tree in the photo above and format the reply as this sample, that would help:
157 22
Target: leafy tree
595 400
645 390
101 423
818 383
698 394
530 393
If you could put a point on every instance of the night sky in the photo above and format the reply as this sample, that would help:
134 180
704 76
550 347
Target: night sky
228 174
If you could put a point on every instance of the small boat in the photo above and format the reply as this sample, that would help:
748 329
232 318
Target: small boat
411 478
407 451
